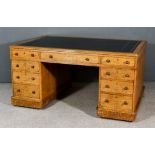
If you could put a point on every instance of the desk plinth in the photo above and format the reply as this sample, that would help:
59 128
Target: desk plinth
38 75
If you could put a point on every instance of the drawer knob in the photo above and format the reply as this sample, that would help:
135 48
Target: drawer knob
106 101
126 88
32 55
50 56
108 73
127 75
127 62
108 61
18 77
17 65
33 78
107 86
18 90
33 92
87 59
16 54
125 103
32 67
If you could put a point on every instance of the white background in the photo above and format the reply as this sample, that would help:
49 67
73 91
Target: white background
80 13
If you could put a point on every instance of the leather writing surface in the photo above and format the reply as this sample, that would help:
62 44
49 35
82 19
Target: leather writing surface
127 46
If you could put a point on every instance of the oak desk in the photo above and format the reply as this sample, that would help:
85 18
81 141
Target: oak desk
37 75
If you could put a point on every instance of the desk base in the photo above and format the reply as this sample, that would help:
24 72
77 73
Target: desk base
28 103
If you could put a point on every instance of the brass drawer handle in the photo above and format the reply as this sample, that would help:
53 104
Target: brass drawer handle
127 75
32 55
126 88
16 54
18 90
125 103
106 101
17 77
108 61
17 65
87 59
108 73
33 92
50 56
32 67
127 62
107 86
33 78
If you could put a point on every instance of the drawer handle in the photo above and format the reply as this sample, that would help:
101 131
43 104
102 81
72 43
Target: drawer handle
87 59
32 55
125 103
17 77
127 75
50 56
127 62
126 88
108 73
106 101
18 90
16 54
108 61
33 92
17 65
33 78
107 86
32 67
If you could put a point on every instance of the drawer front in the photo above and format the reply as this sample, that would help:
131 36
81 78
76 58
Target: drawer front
116 102
32 67
117 74
18 65
118 61
19 77
62 58
26 91
30 55
124 74
126 62
87 59
117 87
17 54
108 73
32 79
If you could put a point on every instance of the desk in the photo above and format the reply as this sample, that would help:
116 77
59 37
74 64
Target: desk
38 74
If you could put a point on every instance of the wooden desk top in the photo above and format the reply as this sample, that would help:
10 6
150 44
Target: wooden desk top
111 45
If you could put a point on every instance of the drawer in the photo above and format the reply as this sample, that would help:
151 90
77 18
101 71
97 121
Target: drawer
62 58
19 77
87 59
26 91
17 54
116 102
32 79
118 61
117 74
18 65
32 67
31 55
117 87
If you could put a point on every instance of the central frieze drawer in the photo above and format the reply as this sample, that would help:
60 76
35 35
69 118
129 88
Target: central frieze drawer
116 87
55 57
87 59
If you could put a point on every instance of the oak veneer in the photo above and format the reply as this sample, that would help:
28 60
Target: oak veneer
38 73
